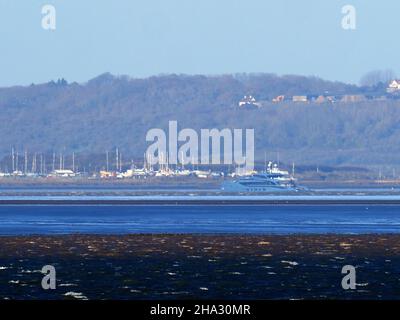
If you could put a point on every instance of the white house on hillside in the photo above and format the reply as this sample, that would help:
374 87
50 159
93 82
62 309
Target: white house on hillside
299 99
249 101
394 86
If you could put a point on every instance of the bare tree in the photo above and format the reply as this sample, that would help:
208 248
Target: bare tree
376 77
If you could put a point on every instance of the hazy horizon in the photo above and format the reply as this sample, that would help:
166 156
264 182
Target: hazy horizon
85 81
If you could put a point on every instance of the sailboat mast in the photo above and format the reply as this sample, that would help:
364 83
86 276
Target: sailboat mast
107 161
13 159
116 159
26 162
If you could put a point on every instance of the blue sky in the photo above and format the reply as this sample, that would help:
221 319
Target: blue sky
144 38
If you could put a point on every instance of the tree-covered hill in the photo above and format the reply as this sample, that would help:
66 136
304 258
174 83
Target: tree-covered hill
108 112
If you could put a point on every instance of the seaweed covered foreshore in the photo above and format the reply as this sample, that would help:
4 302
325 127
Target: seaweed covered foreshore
200 266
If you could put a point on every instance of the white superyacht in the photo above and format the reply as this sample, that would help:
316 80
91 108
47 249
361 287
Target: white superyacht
272 180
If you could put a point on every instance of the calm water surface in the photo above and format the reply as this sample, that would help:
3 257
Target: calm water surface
99 219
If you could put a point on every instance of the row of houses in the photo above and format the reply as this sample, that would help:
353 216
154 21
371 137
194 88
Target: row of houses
253 103
392 89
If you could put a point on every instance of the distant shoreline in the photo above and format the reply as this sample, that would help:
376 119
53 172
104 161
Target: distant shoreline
203 202
175 182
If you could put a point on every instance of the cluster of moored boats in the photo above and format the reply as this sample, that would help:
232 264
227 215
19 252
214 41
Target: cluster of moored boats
269 180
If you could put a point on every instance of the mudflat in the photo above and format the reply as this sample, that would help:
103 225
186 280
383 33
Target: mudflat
195 266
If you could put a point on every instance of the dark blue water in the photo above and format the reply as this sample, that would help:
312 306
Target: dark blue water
24 220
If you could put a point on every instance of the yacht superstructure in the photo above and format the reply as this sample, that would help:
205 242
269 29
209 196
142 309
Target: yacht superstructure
273 179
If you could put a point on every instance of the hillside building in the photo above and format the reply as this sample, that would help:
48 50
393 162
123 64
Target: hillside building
321 99
325 99
353 98
277 99
249 102
300 99
394 86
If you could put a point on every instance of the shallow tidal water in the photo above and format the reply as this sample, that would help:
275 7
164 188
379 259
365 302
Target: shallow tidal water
210 219
199 252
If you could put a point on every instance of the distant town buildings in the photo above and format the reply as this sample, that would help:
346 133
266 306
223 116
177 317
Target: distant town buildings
63 173
107 174
392 92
